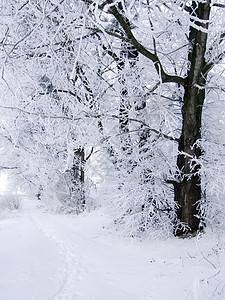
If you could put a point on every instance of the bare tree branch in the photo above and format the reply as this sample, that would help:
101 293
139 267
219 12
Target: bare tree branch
149 128
8 168
89 155
219 5
131 38
39 114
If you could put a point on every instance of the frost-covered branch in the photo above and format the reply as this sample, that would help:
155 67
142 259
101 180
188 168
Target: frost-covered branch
141 49
158 132
7 168
216 59
219 5
39 114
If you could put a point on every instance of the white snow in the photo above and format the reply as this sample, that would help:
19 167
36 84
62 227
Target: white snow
49 256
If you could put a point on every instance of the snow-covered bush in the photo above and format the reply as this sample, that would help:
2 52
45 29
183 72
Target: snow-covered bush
10 201
142 201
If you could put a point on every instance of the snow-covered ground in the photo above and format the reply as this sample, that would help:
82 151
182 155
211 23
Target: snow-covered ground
48 256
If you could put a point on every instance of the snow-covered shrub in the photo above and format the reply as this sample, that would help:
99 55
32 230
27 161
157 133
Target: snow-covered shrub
10 201
142 200
144 209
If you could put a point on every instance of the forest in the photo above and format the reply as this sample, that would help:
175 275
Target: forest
112 144
120 99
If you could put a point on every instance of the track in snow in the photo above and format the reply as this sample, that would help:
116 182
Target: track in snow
59 257
72 270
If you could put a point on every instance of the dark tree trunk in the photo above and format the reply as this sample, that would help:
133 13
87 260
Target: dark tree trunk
187 187
77 188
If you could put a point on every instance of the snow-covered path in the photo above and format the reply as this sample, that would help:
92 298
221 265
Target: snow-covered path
45 256
28 268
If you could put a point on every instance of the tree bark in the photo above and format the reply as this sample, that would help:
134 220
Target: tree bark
187 187
77 172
